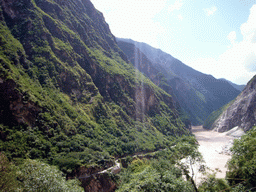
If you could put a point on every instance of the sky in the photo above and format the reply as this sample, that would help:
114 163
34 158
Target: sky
214 37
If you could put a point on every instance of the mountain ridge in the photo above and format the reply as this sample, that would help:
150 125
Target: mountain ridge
238 87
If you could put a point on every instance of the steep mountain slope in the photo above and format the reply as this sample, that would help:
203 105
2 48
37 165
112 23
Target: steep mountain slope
198 94
238 87
144 65
240 112
68 93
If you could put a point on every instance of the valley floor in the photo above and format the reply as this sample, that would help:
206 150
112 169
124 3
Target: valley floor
211 144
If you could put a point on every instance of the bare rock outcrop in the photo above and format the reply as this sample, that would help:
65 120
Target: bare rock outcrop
99 182
241 113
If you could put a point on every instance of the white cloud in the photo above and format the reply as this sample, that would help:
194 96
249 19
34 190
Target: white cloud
238 63
205 65
176 6
210 11
244 52
133 19
250 63
180 17
227 68
232 37
248 29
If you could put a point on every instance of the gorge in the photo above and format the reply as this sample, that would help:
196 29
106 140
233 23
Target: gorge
74 99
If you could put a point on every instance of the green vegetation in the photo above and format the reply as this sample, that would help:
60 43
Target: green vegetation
38 176
68 97
242 165
8 181
32 175
212 184
164 170
198 94
154 175
241 172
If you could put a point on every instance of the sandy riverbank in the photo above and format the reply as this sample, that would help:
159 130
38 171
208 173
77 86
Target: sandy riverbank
211 143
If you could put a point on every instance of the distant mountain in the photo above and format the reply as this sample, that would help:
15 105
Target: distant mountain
240 112
198 94
238 87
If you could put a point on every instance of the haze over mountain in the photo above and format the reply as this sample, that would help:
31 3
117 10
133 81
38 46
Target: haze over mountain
238 87
198 94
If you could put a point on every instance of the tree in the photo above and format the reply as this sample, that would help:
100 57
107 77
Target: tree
212 184
153 175
188 157
38 176
164 172
8 180
242 165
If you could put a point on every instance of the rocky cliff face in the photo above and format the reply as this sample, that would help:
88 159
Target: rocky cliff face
15 108
99 182
198 94
241 112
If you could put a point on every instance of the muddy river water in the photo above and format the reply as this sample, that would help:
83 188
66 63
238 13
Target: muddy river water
211 143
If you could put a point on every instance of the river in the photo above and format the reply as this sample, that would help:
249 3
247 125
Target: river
211 143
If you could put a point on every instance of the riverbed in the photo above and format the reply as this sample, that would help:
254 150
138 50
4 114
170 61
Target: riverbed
210 145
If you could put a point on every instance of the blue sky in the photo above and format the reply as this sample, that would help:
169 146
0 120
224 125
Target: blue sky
214 37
